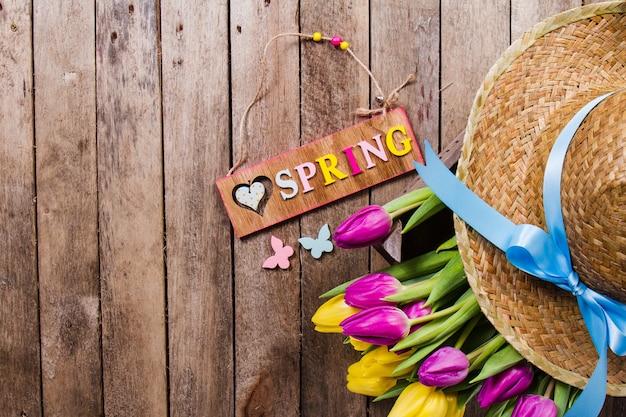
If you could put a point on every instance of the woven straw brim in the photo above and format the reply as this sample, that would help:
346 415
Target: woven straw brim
528 96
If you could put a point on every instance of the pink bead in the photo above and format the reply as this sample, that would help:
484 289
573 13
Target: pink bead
336 40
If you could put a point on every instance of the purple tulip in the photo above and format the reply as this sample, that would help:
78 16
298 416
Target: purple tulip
369 226
369 291
383 325
446 367
530 405
506 385
416 309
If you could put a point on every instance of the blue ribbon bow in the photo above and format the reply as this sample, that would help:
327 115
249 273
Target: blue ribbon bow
544 255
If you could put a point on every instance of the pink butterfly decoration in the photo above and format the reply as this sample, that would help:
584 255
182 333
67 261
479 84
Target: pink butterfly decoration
281 258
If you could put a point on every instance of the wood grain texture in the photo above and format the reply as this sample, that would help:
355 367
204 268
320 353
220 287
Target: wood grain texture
196 140
19 322
333 86
267 302
526 13
473 35
123 290
67 208
405 39
130 189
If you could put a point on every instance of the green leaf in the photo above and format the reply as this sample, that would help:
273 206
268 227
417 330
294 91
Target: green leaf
498 362
429 208
497 410
426 263
451 277
485 352
561 397
407 200
448 244
393 391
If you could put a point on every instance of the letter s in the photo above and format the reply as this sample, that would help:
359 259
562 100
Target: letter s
286 183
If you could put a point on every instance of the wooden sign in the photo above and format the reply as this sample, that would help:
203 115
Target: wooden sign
320 172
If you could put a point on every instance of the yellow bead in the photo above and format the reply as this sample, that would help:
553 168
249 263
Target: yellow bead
344 45
317 36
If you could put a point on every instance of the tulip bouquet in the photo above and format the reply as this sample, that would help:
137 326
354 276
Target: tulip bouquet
422 337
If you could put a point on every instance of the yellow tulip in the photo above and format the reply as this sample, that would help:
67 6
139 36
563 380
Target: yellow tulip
453 406
331 313
359 345
372 386
418 400
372 375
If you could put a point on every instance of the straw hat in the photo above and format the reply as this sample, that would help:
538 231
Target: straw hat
529 95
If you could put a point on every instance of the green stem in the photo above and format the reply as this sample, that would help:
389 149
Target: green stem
467 331
441 313
399 212
481 354
478 351
418 195
550 388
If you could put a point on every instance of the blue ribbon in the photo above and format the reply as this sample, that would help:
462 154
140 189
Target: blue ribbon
543 254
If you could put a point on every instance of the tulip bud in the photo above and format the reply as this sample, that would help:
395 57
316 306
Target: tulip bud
506 385
418 400
369 226
531 405
384 325
373 374
446 367
331 313
369 290
416 309
372 386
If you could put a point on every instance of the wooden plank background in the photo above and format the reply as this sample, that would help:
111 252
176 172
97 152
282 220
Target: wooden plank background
123 291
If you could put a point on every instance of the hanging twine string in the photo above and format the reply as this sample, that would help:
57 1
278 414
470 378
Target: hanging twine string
386 103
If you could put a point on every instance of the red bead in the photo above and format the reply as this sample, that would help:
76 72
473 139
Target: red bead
336 40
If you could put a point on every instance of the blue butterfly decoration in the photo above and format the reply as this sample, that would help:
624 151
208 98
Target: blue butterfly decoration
320 245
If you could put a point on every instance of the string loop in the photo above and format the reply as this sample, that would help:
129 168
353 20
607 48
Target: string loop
387 103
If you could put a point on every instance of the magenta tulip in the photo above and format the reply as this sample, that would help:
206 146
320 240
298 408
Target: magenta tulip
506 385
530 405
369 226
369 290
416 309
446 367
383 325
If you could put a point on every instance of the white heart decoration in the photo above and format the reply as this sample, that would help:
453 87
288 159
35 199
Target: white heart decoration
250 196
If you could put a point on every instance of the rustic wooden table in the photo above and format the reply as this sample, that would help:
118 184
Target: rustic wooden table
123 291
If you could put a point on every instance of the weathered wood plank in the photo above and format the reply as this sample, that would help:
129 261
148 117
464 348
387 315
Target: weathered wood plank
196 124
526 13
267 302
405 39
473 35
130 187
333 87
407 35
19 321
67 207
